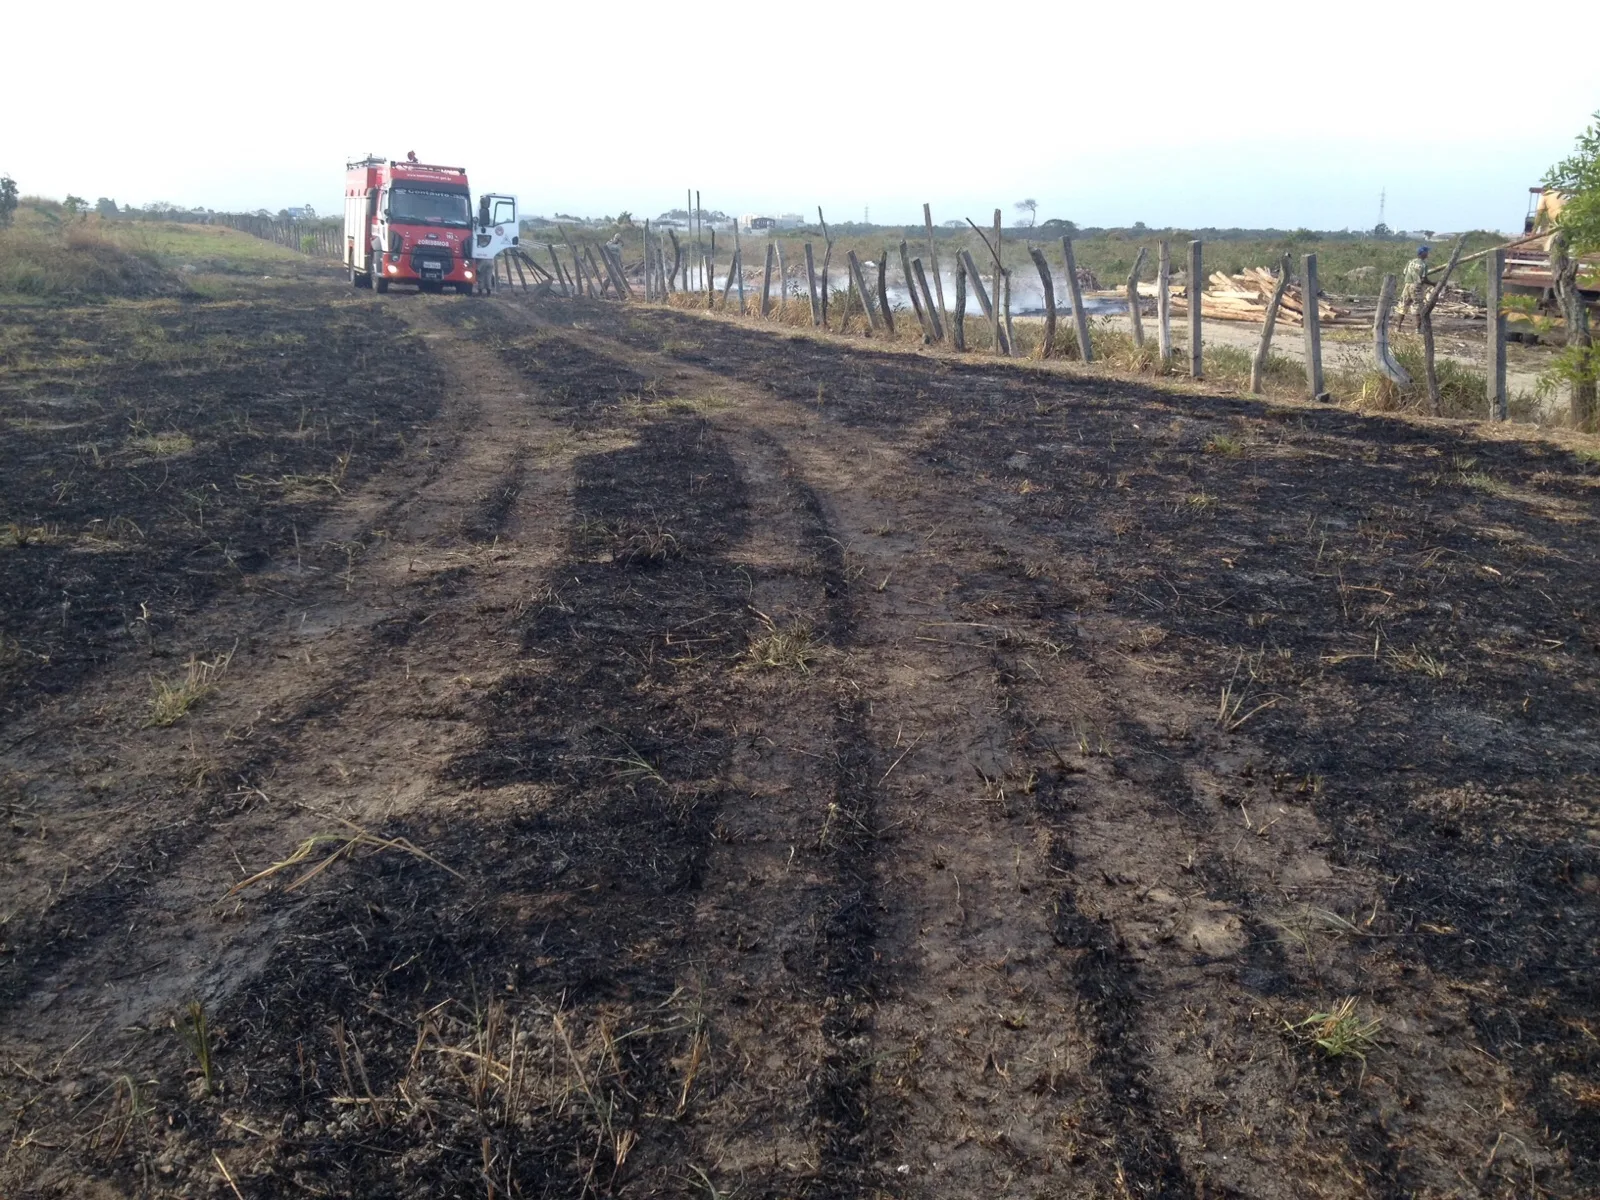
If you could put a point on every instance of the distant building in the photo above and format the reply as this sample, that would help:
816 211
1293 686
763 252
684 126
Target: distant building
756 222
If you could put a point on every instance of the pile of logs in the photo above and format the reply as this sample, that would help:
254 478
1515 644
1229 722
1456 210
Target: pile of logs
1244 298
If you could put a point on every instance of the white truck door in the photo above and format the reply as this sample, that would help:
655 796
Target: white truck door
496 228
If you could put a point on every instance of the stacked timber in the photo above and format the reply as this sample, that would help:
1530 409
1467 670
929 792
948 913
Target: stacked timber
1244 297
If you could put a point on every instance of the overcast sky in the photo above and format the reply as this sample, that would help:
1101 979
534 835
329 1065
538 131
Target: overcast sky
1189 115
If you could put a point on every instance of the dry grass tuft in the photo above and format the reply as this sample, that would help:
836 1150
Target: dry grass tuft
787 647
346 845
163 445
173 701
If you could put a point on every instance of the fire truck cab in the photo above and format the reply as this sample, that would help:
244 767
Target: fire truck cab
408 222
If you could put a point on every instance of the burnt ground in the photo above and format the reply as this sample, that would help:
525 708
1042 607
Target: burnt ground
748 764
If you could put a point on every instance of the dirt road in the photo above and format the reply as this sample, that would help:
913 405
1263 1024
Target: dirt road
689 760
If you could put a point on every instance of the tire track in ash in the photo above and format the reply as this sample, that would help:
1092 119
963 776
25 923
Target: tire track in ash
959 1055
786 976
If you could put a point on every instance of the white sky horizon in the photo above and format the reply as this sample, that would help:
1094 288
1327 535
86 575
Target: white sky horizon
853 106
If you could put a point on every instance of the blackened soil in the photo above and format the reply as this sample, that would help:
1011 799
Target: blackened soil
157 453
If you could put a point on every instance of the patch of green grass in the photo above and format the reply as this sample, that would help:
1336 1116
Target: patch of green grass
75 260
194 1031
1337 1033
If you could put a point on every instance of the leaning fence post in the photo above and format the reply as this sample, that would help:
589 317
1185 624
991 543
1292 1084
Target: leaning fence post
1380 337
783 285
1196 274
1049 300
1496 373
958 317
1133 299
994 316
1164 302
911 290
861 286
927 300
1311 323
709 274
811 286
1011 334
1258 365
975 277
883 291
556 263
933 265
1080 318
766 280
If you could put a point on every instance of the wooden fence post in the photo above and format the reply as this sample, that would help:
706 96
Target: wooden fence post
709 274
1164 302
649 262
1496 372
1011 334
975 279
1425 323
933 265
958 318
861 286
811 286
1311 324
783 284
1080 316
1197 276
927 300
827 258
1133 299
1049 300
1387 363
766 280
602 278
994 319
1258 365
883 291
911 290
556 262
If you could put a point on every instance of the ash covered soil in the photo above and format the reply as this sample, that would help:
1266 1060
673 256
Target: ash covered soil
544 748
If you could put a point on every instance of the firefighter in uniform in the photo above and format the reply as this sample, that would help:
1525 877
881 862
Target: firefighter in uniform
1413 285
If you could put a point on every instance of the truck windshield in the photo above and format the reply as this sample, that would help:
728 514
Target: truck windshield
425 207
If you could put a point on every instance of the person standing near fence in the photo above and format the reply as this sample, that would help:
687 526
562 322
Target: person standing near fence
1413 285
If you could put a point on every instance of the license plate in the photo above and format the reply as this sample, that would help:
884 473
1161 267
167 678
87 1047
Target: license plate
432 265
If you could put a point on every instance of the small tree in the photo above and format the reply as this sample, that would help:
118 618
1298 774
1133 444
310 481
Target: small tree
8 200
106 206
75 205
1577 178
1031 207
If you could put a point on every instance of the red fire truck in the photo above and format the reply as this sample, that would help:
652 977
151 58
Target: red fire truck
411 222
